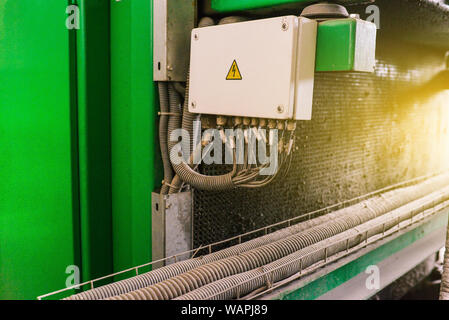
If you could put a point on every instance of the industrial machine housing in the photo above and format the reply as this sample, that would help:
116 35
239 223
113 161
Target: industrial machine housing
362 122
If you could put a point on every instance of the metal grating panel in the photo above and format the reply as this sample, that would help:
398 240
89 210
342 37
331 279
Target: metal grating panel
366 133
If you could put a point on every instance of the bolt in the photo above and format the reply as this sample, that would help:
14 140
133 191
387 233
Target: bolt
280 109
195 36
284 26
193 105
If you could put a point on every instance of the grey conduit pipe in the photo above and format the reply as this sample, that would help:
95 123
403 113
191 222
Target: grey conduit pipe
390 200
183 266
177 182
174 121
188 118
187 143
250 281
217 270
163 122
183 169
444 287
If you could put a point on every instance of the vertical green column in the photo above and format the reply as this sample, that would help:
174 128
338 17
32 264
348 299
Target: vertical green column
135 162
93 99
38 156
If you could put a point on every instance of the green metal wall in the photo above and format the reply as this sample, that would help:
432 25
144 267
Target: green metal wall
93 95
234 5
136 168
38 192
54 145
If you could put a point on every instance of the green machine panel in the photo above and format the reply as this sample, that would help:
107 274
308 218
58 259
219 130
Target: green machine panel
55 207
93 103
136 165
237 5
38 161
346 45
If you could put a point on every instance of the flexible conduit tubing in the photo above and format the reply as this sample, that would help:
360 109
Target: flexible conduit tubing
444 288
391 199
174 122
245 283
188 118
163 122
349 218
183 169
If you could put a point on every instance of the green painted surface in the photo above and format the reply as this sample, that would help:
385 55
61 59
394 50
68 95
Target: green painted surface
93 84
136 166
235 5
339 276
38 192
336 45
55 206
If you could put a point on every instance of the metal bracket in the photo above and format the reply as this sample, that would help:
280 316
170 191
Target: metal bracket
173 23
171 226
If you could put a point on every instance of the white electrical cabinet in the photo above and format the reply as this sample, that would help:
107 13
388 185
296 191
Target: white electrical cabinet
261 69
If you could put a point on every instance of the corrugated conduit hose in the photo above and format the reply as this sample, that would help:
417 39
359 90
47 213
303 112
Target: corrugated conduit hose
349 218
391 200
290 265
183 169
163 120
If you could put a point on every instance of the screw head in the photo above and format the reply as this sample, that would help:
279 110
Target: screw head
196 36
280 109
284 26
193 104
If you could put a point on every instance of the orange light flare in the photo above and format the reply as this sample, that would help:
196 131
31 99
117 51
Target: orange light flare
424 122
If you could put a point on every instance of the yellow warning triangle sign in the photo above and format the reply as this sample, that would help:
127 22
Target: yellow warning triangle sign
234 72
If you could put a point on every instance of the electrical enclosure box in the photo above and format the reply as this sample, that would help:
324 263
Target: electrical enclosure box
262 68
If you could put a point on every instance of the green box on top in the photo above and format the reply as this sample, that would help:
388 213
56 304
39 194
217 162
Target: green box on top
346 45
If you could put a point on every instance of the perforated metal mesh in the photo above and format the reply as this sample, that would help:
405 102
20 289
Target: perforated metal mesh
368 131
